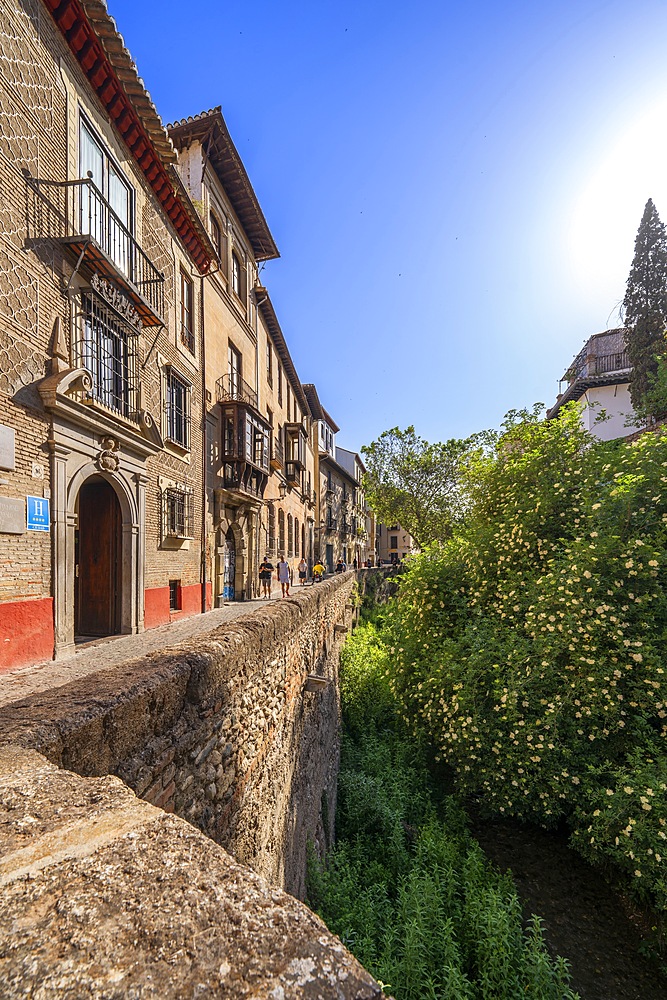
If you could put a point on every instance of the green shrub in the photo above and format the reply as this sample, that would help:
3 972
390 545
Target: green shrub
530 649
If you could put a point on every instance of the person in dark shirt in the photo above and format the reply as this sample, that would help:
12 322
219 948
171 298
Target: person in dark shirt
265 573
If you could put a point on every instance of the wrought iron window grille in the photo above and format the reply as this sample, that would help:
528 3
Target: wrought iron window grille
177 513
177 410
105 344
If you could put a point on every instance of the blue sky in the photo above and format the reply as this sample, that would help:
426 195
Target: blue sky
454 187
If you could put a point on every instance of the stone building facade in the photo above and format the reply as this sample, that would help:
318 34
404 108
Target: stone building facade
156 441
101 260
260 469
393 543
344 527
599 379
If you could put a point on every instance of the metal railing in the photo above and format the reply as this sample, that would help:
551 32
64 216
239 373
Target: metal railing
177 513
233 387
80 210
584 366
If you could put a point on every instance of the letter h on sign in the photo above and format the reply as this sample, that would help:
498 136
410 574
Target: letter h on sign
38 515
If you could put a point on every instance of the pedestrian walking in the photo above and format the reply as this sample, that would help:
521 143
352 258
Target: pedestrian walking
303 571
283 576
265 574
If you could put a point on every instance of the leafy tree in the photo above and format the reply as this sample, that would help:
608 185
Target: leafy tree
645 304
416 484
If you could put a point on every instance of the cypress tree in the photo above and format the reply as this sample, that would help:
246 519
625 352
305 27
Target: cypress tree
645 304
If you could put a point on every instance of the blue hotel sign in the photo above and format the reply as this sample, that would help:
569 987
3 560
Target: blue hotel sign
38 514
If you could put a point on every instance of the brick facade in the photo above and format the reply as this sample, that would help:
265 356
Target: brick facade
143 370
86 397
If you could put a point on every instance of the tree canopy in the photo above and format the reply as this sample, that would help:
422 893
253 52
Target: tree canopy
416 484
645 305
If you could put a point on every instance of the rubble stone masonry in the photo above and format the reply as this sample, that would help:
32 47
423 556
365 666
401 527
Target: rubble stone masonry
225 730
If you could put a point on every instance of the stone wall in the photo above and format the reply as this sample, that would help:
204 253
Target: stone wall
225 730
106 896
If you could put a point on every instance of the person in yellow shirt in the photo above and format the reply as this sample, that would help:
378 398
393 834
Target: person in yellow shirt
318 572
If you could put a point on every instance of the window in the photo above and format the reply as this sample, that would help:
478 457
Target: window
105 347
236 274
176 513
174 595
271 540
269 363
280 385
177 409
234 371
187 325
296 537
393 541
228 434
281 533
289 408
106 200
258 446
290 536
216 236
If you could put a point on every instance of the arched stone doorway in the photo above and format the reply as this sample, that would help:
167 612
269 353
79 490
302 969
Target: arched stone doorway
98 552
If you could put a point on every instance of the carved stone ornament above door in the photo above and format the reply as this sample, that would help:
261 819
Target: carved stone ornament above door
108 459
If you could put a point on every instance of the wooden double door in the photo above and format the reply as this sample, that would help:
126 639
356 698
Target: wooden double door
98 566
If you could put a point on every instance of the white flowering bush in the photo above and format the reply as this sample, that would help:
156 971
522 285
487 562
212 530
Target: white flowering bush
531 647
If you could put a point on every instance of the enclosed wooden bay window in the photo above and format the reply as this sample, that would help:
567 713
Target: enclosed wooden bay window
246 449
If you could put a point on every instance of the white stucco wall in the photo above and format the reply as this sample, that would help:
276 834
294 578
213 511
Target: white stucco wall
615 400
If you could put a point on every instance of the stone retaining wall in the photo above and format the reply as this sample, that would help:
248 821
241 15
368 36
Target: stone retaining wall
103 895
223 729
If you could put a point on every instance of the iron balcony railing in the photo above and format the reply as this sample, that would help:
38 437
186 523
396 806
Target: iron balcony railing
585 366
75 210
233 387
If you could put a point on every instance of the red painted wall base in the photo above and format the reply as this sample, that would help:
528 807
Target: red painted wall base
26 632
156 605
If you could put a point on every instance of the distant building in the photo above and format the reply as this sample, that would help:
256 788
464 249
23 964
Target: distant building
343 522
393 543
359 516
599 376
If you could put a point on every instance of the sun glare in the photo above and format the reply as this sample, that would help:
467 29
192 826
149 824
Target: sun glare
607 213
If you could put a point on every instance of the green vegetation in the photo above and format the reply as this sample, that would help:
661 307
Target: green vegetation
530 649
645 312
416 484
406 887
